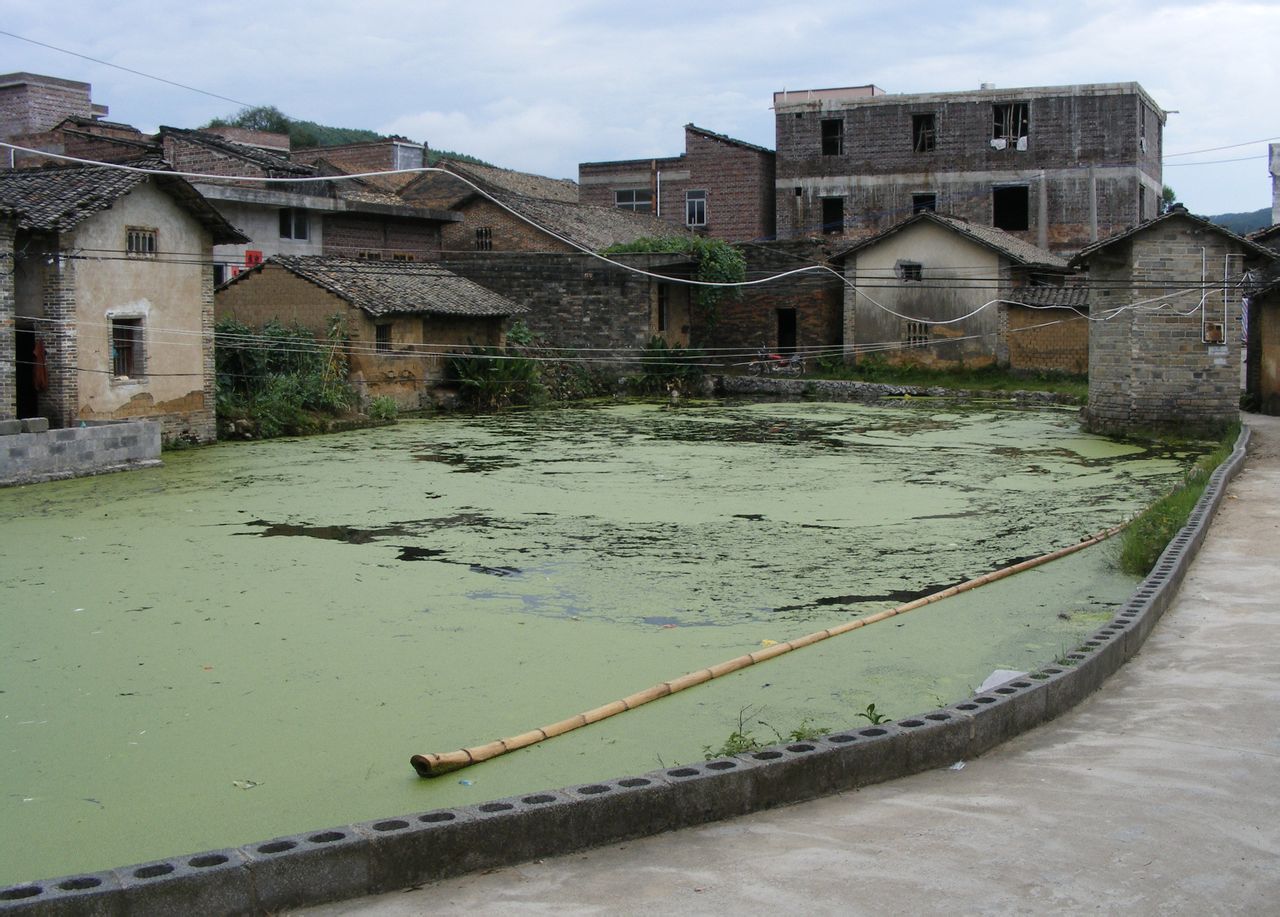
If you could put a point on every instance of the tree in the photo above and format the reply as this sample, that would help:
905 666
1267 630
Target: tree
1168 197
260 118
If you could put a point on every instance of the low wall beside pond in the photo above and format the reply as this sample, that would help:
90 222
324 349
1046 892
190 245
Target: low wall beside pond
30 452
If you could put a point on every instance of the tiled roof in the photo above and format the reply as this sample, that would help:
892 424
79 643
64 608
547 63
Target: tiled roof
726 139
57 199
1071 295
1178 212
1017 250
273 163
524 183
394 287
591 226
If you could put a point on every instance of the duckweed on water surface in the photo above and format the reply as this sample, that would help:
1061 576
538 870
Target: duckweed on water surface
253 639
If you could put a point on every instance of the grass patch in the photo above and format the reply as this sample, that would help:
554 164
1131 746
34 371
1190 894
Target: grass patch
1147 535
984 378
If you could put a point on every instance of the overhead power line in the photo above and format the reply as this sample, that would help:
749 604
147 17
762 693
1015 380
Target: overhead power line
149 76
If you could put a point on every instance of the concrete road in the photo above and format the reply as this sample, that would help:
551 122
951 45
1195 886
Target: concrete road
1158 795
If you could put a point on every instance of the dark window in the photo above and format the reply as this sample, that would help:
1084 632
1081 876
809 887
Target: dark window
126 348
799 191
382 338
923 133
910 270
1142 204
294 224
640 200
695 208
832 136
1011 208
1011 125
369 256
663 306
924 201
220 274
833 214
786 330
403 256
140 242
484 239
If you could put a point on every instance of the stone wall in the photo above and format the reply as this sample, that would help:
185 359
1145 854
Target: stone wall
8 343
1150 367
48 455
750 320
353 236
506 232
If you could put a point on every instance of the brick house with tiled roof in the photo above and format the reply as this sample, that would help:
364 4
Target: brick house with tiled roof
404 319
111 278
718 186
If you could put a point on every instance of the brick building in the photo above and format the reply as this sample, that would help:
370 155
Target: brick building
111 296
1059 167
718 186
936 290
1164 347
31 103
404 319
388 155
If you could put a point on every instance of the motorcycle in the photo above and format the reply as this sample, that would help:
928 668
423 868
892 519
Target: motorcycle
767 363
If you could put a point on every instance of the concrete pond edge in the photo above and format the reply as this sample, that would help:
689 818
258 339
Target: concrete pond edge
394 853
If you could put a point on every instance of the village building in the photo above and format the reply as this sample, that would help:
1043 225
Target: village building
390 155
1274 152
940 291
1059 167
402 320
111 305
718 186
1262 328
1164 346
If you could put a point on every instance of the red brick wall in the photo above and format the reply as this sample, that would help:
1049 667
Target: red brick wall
351 235
507 232
1048 340
739 186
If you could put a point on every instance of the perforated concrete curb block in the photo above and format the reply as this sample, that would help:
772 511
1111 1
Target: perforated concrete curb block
408 850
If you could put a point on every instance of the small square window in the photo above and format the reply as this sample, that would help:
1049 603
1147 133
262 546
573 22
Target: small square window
925 201
1011 208
832 136
294 224
639 200
695 208
833 214
140 243
369 256
923 133
1011 123
403 257
916 334
910 271
484 239
382 338
127 348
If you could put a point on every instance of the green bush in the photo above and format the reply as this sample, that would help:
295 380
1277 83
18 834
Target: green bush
491 378
664 367
382 408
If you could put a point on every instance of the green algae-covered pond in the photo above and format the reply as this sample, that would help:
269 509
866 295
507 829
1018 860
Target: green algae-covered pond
252 640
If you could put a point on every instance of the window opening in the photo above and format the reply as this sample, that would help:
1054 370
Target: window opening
1011 125
923 202
832 214
638 199
369 256
1011 208
923 134
382 338
140 242
695 208
403 256
916 334
294 224
663 306
910 271
126 348
484 239
832 136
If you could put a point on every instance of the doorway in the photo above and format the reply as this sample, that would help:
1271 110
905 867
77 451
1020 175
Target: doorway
786 330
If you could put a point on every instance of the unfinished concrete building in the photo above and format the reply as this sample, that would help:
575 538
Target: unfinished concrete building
1060 167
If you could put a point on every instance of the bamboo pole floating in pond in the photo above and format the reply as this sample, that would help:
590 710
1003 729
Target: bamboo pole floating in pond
433 765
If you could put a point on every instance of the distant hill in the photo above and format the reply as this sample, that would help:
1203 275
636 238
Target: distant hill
309 135
1244 223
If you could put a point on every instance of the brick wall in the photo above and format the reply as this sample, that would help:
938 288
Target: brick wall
26 458
507 232
577 301
61 402
1266 317
8 367
1045 340
1149 368
350 235
749 321
739 182
30 103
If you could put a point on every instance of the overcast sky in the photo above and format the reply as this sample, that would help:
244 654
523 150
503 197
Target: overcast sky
541 86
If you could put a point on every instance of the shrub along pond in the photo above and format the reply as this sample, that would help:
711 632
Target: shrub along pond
252 640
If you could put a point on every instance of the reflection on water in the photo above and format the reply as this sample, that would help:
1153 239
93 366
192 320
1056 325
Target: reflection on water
253 639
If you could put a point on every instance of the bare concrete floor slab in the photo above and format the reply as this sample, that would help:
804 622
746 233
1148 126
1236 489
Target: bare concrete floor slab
1158 795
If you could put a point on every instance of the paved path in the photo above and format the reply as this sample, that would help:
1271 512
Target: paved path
1158 795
